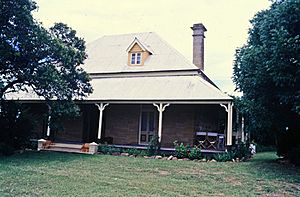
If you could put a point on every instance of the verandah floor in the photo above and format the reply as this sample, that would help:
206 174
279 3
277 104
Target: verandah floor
75 148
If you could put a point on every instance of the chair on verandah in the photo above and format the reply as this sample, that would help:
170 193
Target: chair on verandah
212 138
201 139
221 142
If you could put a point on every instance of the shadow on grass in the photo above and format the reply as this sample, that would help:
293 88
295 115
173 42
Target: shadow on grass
36 157
266 163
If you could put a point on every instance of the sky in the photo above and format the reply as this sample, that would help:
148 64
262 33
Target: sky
226 21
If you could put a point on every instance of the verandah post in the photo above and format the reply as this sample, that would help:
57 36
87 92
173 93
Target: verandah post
229 110
101 108
229 124
49 120
161 108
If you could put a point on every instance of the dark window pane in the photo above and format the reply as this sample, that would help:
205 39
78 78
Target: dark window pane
138 58
143 138
151 121
144 121
133 58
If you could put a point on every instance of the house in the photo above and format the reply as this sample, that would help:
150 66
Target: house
144 87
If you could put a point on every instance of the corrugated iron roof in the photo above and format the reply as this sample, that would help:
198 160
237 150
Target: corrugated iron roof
108 54
155 88
159 88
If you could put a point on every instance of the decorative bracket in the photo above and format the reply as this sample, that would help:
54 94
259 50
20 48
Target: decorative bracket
226 108
102 106
161 107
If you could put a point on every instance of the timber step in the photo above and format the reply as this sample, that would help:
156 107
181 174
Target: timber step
70 148
61 145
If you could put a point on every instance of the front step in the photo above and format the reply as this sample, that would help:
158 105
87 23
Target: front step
61 145
70 148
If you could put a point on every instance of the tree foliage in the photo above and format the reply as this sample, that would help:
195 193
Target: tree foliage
34 58
267 70
47 62
16 126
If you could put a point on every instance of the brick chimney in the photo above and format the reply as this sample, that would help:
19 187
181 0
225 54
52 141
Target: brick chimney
198 45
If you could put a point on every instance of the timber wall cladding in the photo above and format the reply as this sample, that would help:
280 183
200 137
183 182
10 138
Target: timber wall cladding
122 123
178 124
209 118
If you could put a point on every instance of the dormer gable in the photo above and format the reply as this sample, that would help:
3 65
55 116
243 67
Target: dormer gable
137 53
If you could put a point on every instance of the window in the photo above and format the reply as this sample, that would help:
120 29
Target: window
136 58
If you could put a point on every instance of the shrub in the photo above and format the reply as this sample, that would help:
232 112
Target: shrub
287 141
294 155
195 153
106 149
6 150
241 150
185 151
153 146
31 144
181 151
103 148
16 125
116 150
143 153
222 157
132 151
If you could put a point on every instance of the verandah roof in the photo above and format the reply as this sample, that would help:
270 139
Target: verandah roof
156 88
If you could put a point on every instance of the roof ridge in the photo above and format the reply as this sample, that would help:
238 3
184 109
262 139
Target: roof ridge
125 34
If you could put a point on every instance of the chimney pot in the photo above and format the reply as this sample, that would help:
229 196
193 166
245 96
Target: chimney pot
198 45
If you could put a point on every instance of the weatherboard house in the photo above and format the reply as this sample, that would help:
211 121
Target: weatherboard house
143 87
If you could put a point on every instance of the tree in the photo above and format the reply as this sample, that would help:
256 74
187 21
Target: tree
267 71
46 61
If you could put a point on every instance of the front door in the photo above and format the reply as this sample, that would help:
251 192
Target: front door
147 126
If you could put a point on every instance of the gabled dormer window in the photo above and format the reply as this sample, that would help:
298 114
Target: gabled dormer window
137 53
136 58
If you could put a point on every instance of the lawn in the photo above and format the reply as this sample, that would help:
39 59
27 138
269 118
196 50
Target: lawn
60 174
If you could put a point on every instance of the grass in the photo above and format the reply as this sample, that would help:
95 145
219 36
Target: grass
60 174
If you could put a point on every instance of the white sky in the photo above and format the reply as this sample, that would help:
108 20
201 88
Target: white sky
227 22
